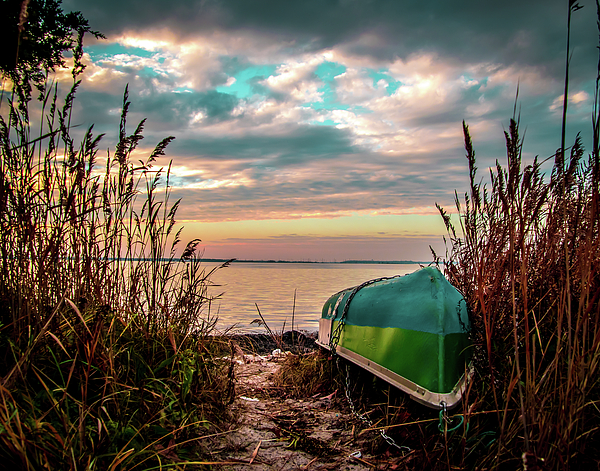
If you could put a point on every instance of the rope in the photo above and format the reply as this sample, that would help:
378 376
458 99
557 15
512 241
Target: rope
445 420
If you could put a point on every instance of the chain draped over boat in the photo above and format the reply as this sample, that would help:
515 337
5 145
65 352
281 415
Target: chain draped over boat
334 340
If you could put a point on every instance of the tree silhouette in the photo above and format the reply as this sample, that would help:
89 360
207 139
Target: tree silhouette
34 35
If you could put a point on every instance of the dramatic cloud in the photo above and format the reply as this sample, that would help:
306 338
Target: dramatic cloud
331 109
509 32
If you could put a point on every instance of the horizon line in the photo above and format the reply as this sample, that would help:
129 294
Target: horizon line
397 262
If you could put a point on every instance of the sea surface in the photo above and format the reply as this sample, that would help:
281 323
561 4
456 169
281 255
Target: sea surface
272 286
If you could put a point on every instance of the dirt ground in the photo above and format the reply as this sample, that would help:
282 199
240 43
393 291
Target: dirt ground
272 432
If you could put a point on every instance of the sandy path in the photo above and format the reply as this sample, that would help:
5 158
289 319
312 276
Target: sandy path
271 432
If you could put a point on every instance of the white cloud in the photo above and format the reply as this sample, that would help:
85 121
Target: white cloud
576 98
296 78
410 135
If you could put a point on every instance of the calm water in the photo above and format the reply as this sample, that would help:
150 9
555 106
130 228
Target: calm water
272 285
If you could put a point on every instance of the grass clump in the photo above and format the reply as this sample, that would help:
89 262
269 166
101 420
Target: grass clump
528 264
527 259
106 358
305 375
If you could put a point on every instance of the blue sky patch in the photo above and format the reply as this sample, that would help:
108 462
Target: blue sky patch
378 75
246 81
327 122
150 72
328 103
327 71
103 51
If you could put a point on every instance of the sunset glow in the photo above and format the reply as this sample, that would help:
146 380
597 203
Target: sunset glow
319 132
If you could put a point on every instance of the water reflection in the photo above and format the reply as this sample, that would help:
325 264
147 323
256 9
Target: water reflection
272 285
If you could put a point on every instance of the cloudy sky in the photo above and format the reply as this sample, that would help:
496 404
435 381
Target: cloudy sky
328 130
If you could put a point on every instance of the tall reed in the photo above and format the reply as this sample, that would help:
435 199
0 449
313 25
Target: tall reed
527 258
106 360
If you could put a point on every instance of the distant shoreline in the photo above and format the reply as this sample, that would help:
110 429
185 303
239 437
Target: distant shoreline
345 262
235 260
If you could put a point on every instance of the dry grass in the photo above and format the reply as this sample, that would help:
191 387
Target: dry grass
106 361
305 375
527 264
527 260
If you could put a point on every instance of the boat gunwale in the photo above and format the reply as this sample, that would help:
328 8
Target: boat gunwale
431 399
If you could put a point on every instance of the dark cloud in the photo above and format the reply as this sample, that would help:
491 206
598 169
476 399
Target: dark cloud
293 145
217 106
231 65
348 184
511 32
165 111
178 108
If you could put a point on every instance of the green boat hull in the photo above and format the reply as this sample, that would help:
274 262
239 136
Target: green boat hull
412 331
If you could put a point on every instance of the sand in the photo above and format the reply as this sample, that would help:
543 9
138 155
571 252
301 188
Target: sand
271 431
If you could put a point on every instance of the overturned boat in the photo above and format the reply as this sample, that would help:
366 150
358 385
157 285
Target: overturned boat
412 331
